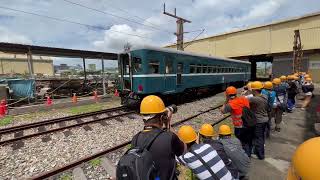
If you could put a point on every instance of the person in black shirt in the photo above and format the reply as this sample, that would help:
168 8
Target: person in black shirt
167 145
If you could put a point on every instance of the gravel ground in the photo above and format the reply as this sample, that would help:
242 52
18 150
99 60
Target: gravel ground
37 156
55 113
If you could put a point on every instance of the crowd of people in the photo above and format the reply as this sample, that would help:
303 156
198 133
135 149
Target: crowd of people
225 155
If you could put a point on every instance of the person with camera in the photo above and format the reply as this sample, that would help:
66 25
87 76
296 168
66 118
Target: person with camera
153 150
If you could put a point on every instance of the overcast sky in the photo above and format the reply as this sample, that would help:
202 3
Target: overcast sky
134 21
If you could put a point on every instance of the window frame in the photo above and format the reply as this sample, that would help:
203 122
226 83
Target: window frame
156 62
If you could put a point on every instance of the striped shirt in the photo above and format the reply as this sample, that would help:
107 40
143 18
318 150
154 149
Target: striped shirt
212 159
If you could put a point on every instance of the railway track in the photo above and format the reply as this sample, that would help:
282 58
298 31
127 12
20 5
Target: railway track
117 147
41 128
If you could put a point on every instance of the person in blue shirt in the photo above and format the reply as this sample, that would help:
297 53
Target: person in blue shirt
267 90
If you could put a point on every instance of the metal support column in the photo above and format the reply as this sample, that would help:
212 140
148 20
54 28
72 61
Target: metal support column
84 70
30 64
103 77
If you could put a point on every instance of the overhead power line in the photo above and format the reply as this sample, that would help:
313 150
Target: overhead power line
72 22
188 43
114 15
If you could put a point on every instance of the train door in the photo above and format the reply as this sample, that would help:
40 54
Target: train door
169 79
125 72
179 73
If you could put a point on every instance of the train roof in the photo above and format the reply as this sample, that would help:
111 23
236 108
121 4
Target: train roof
186 53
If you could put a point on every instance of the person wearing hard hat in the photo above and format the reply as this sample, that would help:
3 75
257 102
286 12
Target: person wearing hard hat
280 103
166 144
292 92
268 91
234 150
208 136
259 106
201 158
305 161
246 90
234 105
307 88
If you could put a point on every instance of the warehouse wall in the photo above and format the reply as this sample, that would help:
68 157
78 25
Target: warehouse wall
314 67
13 64
268 39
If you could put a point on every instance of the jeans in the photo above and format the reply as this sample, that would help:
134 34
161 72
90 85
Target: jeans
245 135
291 103
259 139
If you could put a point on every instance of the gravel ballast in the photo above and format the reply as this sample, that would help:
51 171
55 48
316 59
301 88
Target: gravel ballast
37 156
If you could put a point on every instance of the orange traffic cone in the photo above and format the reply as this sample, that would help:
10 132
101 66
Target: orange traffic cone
2 111
74 98
49 101
116 93
95 95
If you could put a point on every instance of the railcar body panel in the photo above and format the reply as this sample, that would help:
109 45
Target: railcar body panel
162 71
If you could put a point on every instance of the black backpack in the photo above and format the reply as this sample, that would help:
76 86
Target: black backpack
137 163
249 119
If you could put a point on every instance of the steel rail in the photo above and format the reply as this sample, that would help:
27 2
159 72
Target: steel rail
114 148
51 121
62 128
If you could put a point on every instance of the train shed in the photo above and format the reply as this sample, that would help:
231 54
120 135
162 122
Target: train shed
267 43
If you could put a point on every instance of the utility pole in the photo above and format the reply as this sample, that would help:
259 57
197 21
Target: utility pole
297 52
180 21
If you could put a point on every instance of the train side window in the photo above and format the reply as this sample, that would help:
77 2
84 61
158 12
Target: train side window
214 69
154 67
204 69
180 68
209 69
137 66
192 68
199 68
169 67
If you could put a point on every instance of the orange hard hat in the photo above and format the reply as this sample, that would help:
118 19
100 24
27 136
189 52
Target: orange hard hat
231 90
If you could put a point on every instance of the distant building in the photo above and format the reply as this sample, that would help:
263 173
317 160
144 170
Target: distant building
11 64
92 67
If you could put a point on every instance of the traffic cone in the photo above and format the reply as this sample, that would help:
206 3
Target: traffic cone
74 98
49 101
4 103
116 93
95 95
2 111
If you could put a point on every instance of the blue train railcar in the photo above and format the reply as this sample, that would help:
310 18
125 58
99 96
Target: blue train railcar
161 71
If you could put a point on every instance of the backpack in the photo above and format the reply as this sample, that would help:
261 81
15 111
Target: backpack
270 102
249 119
137 163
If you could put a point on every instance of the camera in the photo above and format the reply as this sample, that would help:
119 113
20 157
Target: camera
172 108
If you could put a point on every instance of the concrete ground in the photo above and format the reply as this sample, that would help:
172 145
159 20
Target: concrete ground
296 128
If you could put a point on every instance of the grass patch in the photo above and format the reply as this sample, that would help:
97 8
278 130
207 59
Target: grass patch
198 121
85 109
66 176
186 173
95 162
6 120
129 146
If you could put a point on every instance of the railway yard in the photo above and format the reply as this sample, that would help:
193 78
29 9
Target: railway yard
31 150
85 97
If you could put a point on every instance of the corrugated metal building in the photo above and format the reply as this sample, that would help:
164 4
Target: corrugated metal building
270 42
18 64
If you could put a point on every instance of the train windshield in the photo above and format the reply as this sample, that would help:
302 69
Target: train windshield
136 64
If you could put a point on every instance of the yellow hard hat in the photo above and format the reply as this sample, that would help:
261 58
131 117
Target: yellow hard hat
283 78
296 74
257 85
187 134
224 130
306 76
305 161
268 85
276 81
249 84
207 130
308 79
296 78
290 77
152 105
